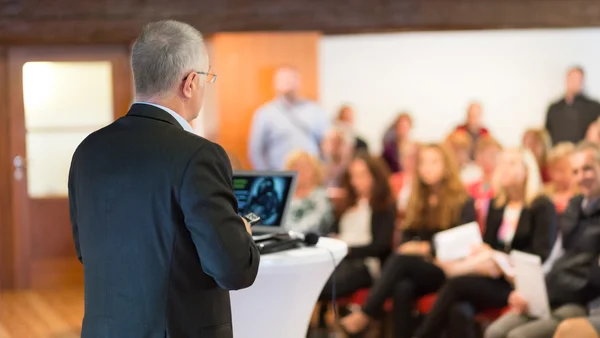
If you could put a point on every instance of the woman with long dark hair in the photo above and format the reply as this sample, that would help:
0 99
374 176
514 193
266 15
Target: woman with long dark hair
366 225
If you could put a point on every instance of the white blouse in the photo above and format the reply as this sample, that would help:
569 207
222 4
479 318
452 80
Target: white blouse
355 230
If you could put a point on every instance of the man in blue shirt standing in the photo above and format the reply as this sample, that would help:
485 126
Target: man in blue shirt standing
286 124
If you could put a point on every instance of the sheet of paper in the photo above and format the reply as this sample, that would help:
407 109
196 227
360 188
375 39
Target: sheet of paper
530 282
458 242
504 263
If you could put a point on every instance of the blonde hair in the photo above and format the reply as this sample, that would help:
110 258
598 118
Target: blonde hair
460 140
485 142
298 156
534 187
560 151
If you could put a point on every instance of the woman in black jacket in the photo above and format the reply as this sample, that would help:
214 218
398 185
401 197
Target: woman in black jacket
520 218
438 202
366 225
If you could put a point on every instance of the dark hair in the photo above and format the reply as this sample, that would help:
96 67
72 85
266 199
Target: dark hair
381 193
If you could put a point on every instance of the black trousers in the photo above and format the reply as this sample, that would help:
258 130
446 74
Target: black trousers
405 278
350 276
458 302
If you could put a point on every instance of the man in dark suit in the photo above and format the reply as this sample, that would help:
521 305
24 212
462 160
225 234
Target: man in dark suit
568 119
153 212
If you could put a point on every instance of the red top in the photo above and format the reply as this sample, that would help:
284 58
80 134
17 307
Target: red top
482 196
545 175
482 131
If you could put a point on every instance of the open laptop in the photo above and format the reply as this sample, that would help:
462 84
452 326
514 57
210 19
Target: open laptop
266 194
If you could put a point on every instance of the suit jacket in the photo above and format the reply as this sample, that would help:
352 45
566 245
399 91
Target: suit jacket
536 230
155 225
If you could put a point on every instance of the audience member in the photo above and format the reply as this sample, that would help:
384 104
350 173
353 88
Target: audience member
583 327
286 124
474 124
568 282
310 209
345 116
486 154
366 226
520 218
538 142
337 151
561 187
401 182
568 119
461 145
438 202
394 139
593 132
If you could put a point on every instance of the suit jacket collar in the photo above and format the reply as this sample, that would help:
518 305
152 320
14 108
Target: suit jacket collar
152 112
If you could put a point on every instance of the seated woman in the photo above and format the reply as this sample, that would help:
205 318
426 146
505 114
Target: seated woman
561 186
366 225
461 145
539 143
438 201
310 210
520 218
486 154
402 181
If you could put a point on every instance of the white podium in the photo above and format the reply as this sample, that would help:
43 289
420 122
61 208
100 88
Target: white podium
288 285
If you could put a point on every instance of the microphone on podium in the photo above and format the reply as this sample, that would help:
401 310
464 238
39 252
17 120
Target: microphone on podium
308 239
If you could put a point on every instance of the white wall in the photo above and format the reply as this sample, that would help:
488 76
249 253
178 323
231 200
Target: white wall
514 73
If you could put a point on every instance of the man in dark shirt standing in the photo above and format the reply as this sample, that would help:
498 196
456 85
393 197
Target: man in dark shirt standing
568 119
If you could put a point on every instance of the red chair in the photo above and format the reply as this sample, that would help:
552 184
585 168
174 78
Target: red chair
425 303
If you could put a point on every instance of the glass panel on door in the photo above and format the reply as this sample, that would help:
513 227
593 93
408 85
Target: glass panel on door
64 102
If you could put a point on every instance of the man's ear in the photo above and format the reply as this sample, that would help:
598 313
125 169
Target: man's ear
189 84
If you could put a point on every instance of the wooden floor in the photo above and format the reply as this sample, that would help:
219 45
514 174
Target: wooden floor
41 314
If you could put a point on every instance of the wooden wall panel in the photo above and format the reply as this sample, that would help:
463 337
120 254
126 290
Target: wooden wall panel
110 21
6 249
245 64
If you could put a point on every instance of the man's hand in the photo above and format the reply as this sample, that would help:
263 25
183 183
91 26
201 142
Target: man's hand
517 303
248 227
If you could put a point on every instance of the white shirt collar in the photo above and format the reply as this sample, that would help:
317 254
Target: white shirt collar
184 124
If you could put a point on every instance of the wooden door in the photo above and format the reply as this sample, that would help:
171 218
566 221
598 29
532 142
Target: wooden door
57 96
245 64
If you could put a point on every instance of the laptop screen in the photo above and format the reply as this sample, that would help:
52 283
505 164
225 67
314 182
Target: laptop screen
266 194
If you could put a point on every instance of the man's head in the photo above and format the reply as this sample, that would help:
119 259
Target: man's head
574 83
170 66
287 82
474 113
585 163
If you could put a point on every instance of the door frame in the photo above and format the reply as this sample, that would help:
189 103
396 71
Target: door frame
122 82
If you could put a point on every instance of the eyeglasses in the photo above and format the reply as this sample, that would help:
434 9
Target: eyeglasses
210 77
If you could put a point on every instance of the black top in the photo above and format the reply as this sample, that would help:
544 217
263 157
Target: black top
536 229
569 122
155 225
569 279
382 232
467 215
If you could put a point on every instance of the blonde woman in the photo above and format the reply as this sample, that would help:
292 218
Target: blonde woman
561 186
310 210
520 218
